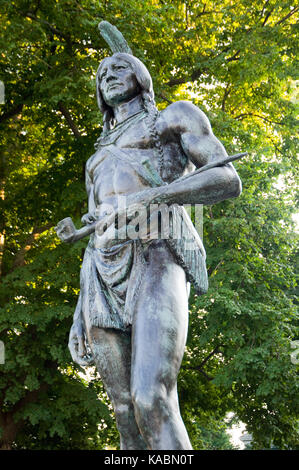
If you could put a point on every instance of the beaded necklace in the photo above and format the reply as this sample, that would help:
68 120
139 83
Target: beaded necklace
111 136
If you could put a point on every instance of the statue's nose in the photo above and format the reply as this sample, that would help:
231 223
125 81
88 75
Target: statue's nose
110 76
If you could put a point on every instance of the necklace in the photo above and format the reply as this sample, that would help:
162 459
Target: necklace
111 136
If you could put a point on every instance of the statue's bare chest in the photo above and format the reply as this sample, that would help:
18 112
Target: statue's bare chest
145 138
124 156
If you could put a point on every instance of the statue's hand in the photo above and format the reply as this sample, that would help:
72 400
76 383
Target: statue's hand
77 346
66 230
88 218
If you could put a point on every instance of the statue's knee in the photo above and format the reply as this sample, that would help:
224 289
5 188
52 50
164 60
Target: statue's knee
148 404
124 413
139 403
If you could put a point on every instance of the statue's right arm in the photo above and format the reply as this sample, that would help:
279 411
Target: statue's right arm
66 229
89 218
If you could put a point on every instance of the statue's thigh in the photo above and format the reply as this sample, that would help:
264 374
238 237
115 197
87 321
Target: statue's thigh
112 352
160 325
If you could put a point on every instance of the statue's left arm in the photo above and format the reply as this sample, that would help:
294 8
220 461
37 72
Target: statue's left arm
200 145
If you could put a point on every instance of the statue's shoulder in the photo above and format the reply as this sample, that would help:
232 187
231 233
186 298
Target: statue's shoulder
184 116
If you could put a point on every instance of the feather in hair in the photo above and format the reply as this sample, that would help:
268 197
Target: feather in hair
114 38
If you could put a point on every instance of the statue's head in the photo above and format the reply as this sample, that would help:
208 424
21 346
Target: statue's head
120 78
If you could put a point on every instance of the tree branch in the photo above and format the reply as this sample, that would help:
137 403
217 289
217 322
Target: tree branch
244 115
199 368
225 96
234 57
176 81
198 72
264 7
65 112
211 273
291 13
164 98
215 350
204 12
208 377
180 81
276 147
267 16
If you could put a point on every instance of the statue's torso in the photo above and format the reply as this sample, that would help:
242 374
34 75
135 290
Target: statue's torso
112 176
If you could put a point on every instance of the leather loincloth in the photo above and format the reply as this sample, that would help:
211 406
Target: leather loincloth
109 284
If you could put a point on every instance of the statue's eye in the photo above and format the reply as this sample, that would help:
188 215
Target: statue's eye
102 75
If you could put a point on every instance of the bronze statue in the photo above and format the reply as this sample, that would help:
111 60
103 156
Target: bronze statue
132 312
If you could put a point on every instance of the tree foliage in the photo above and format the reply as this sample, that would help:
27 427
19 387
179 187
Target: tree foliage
237 62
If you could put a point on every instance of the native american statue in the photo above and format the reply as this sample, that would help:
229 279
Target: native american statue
131 318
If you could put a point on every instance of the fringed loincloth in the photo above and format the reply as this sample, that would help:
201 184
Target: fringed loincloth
109 284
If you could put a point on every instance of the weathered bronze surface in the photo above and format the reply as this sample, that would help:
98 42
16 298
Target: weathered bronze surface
131 318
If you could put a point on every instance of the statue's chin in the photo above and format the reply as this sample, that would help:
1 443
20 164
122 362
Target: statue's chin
120 96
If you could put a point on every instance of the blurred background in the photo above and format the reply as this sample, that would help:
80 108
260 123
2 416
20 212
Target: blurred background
237 62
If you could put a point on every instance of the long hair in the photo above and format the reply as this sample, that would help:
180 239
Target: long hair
145 83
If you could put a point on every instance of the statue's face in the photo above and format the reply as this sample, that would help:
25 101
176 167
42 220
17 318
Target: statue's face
117 81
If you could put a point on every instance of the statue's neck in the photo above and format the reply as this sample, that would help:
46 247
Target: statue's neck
124 110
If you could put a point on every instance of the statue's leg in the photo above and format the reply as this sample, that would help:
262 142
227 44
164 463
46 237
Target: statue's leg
112 351
158 341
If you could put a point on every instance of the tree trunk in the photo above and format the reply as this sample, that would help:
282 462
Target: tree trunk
9 430
5 446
